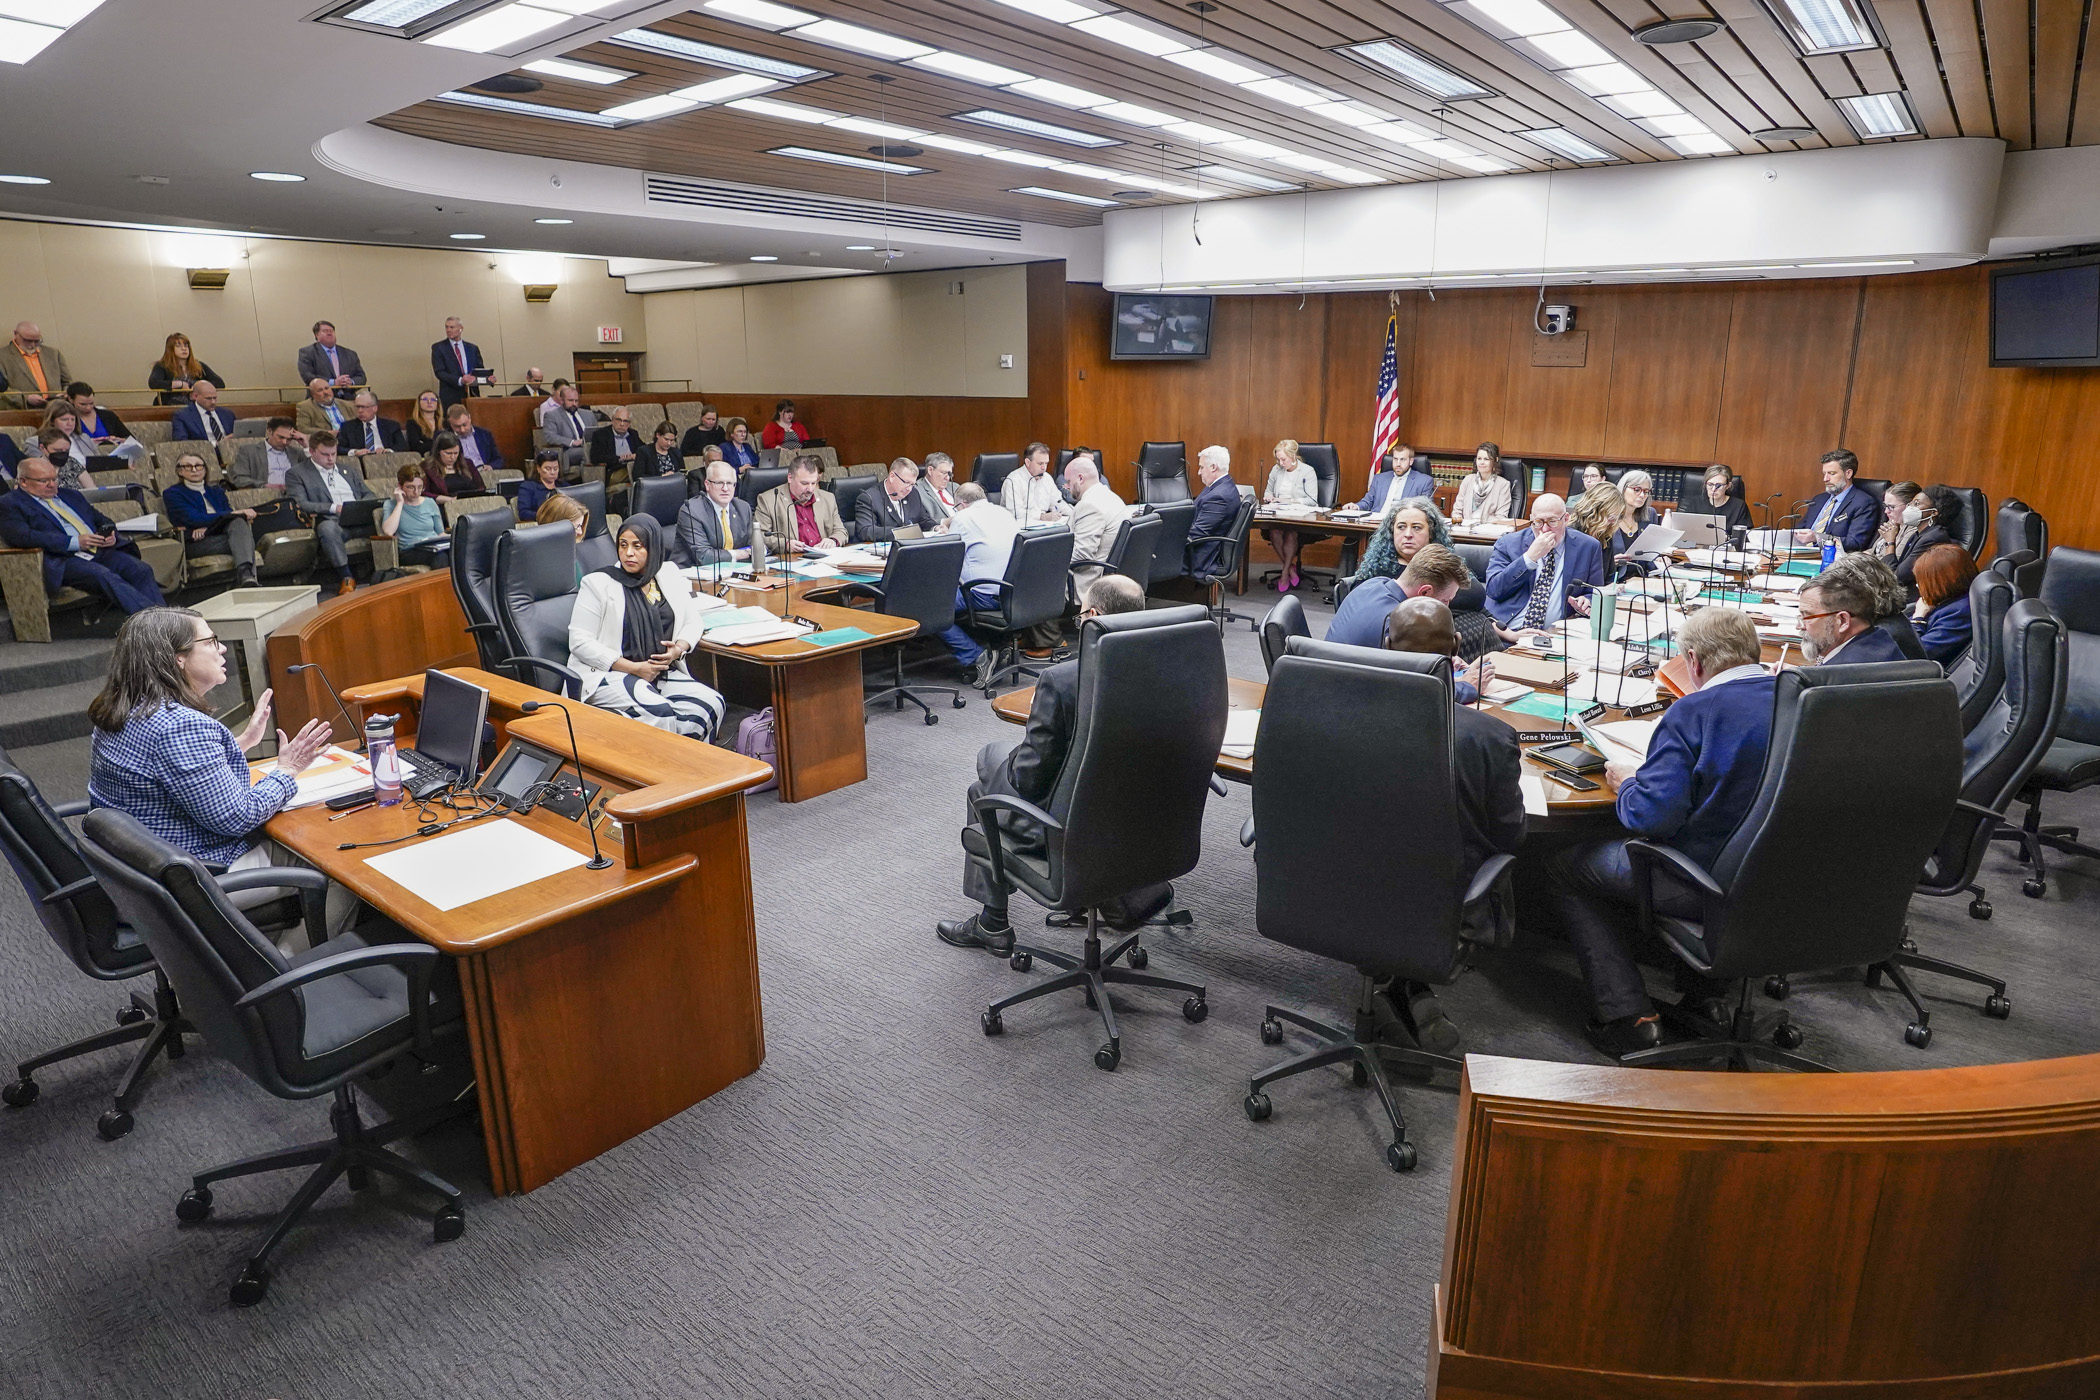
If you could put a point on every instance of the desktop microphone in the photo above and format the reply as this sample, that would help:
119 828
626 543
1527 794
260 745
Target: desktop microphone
599 860
355 727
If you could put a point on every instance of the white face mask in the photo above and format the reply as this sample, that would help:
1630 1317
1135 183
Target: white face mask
1912 517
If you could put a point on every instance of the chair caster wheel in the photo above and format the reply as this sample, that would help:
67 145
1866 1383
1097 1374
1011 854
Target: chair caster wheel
2033 889
1021 962
1272 1032
1400 1156
448 1225
932 718
1108 1057
991 1023
960 702
1787 1036
21 1093
1918 1035
1778 988
1979 909
1194 1009
1909 945
1997 1007
249 1288
113 1124
131 1016
1358 1075
194 1206
1258 1106
1139 957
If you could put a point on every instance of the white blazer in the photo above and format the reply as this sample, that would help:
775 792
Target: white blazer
594 626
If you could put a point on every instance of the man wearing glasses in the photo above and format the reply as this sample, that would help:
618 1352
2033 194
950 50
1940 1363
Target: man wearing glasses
1533 572
80 544
34 373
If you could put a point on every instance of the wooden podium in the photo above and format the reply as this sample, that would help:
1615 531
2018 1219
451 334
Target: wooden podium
1660 1235
598 1002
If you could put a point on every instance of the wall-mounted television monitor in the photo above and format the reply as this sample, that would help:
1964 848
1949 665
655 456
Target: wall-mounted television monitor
2046 314
1152 326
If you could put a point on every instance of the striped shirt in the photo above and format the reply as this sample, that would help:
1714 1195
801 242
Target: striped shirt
181 774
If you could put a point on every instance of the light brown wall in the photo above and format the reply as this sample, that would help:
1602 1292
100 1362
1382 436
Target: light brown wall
108 298
907 334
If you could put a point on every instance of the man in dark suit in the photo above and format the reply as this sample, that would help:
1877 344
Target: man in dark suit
457 365
324 359
1844 511
1216 506
1365 616
1698 781
476 445
534 387
12 456
1839 608
202 420
320 486
80 544
1534 572
1485 766
366 432
715 527
1029 770
894 505
614 446
1400 480
706 433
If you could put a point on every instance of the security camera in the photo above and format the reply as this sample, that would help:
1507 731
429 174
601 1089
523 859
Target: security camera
1557 320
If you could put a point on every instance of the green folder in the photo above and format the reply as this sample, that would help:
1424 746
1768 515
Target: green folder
1544 704
837 636
1801 568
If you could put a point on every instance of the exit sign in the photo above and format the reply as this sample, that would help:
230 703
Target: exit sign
608 335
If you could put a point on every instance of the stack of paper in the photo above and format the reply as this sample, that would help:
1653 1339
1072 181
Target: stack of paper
1629 734
1240 727
855 561
751 634
1498 691
337 771
733 617
1777 583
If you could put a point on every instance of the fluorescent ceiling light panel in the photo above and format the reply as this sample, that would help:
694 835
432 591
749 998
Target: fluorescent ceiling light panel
1132 34
1680 125
1445 149
275 177
497 29
1606 79
1242 177
1063 94
1008 122
1260 150
526 109
1349 113
852 36
1134 114
1216 63
554 221
1024 158
650 108
1486 165
857 162
715 54
1416 71
970 70
1304 162
578 72
1877 262
1878 114
1642 104
1563 142
1568 49
1706 145
762 13
867 126
725 88
397 14
1198 134
1040 193
783 111
1090 172
1405 133
21 42
1056 11
574 7
1349 175
953 143
1289 93
60 14
1824 26
23 180
1523 18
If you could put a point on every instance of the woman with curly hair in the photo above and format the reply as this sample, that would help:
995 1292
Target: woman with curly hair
1410 524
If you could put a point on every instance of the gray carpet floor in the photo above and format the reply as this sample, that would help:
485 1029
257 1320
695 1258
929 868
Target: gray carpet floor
893 1205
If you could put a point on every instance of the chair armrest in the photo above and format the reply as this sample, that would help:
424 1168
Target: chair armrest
572 684
1493 871
1646 856
477 628
274 876
416 960
66 892
988 808
1961 804
1217 785
1247 832
72 809
857 589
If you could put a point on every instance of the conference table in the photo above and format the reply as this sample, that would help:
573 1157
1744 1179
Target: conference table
1351 530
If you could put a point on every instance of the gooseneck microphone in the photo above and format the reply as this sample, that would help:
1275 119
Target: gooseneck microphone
599 860
355 728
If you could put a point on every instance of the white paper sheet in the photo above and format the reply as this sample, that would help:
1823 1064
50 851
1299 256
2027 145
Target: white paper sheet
1240 727
475 862
337 771
1534 789
139 525
1631 734
1777 583
1611 689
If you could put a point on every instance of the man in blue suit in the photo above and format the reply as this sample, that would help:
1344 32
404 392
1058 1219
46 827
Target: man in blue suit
201 419
1701 775
1532 571
1216 505
1365 616
80 544
1843 511
1839 608
1403 479
457 364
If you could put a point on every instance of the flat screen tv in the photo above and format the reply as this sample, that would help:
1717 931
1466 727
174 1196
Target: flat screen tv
2046 314
1150 326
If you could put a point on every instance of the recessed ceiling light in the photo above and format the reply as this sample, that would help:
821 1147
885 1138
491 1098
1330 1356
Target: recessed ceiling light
1009 122
578 72
764 257
720 57
1295 161
62 14
1063 94
1260 150
1041 162
1217 63
1241 177
1681 124
1416 71
277 177
1641 104
396 14
1445 148
852 36
650 108
1406 133
1606 79
889 131
495 29
726 88
1289 93
1349 113
21 42
1198 134
1521 17
953 143
469 237
1056 11
970 70
1786 133
860 247
1569 49
23 180
1349 175
1825 26
1090 172
1677 31
573 7
1134 114
526 109
554 221
1702 144
1486 165
1563 142
783 111
1131 33
761 13
1878 114
856 162
1040 193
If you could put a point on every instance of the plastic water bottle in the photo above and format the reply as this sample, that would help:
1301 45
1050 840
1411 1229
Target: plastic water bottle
385 761
1830 550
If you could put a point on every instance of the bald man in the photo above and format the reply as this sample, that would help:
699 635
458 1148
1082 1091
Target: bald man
1543 573
1096 512
34 373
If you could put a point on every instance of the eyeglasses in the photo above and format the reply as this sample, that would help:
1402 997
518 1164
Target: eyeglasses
211 637
1811 617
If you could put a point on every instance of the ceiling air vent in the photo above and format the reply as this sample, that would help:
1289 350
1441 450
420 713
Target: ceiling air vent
707 194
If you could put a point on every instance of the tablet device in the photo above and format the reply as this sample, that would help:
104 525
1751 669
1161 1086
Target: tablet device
1569 758
1699 531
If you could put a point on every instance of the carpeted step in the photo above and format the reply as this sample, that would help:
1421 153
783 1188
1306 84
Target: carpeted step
48 715
26 666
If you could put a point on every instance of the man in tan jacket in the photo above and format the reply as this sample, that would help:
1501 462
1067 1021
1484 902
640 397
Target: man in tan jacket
797 515
319 412
34 372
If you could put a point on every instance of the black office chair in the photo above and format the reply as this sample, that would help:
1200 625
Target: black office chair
1127 811
535 594
1232 547
1898 626
1035 590
1979 673
1064 458
299 1027
1343 587
1519 478
659 496
1283 622
990 469
1129 553
1971 524
1397 916
473 566
591 495
1783 897
1327 469
919 581
847 490
2070 590
1170 548
757 481
1875 486
2022 570
1163 472
2020 527
2000 755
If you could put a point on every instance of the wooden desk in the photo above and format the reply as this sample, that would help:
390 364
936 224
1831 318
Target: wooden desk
1318 526
387 630
819 735
1916 1235
598 1002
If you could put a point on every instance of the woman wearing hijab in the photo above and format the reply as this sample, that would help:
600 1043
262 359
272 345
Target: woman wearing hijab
633 625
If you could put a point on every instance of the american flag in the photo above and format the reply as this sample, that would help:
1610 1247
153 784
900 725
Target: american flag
1385 432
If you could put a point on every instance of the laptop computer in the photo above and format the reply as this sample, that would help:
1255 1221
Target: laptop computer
1699 530
448 736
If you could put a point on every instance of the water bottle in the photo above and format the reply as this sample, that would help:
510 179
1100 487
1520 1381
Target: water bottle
1830 550
385 761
